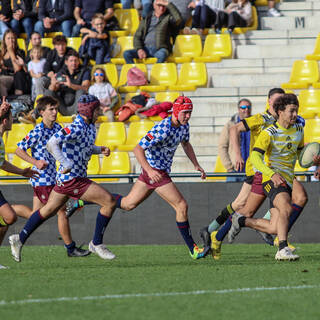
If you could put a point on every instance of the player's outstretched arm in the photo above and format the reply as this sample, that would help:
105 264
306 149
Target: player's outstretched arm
40 164
234 133
188 149
27 172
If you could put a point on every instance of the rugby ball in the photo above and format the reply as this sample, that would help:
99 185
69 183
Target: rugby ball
308 153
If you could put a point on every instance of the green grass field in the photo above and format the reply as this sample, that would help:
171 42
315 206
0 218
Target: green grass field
160 282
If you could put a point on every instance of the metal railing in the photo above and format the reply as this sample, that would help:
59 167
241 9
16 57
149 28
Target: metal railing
132 176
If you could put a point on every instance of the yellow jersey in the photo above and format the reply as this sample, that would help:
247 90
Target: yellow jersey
256 124
281 147
2 152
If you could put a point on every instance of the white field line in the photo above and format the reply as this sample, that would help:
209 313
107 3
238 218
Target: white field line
158 294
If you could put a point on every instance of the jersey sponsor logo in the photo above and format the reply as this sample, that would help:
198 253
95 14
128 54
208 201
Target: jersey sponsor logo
289 145
66 131
149 137
26 138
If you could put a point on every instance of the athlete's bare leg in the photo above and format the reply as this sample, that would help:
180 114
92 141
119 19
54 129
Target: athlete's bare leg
241 199
254 202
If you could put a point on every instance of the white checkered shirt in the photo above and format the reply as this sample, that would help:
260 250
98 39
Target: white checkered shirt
36 140
161 142
77 142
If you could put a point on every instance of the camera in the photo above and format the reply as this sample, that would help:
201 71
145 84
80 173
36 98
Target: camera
61 79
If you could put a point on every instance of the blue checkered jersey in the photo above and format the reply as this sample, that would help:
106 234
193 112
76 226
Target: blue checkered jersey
77 141
161 142
36 140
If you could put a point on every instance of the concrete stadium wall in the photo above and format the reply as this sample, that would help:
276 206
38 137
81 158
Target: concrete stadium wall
153 222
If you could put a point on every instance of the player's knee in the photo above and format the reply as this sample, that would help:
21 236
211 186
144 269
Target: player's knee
11 219
238 204
128 206
182 207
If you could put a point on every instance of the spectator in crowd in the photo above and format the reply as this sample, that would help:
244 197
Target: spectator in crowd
237 14
185 11
72 81
224 148
13 71
104 91
84 11
272 11
146 6
24 16
204 16
95 42
35 41
54 63
152 39
55 16
35 68
5 17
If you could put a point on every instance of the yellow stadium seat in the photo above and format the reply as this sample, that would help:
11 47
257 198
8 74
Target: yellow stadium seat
128 19
192 75
125 43
117 6
186 47
64 119
303 74
18 162
298 168
110 70
53 34
312 130
316 51
45 42
254 25
262 2
17 133
94 165
116 163
123 77
167 96
111 134
22 44
162 75
309 103
216 46
136 131
218 168
74 43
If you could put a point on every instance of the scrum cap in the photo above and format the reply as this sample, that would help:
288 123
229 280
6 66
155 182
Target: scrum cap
87 104
182 104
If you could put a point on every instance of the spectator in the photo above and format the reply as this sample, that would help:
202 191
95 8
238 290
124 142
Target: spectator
272 11
146 6
95 43
237 14
55 17
5 17
185 11
224 148
204 16
72 81
54 63
35 68
35 40
85 10
152 39
24 15
13 73
104 91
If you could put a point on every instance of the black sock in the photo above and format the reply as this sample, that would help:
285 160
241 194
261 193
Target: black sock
242 221
225 214
283 244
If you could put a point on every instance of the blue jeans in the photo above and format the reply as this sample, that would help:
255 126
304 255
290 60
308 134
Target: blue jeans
27 24
65 27
160 54
3 28
146 6
236 179
76 29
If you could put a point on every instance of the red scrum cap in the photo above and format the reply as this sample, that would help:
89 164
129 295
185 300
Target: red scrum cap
87 104
182 104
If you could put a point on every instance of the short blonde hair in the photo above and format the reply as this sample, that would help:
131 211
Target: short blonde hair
36 49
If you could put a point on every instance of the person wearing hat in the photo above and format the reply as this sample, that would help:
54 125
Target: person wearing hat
72 147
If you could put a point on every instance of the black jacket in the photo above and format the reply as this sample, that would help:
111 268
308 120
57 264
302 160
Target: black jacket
28 7
62 10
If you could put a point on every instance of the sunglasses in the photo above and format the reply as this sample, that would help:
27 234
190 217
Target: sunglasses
98 74
244 107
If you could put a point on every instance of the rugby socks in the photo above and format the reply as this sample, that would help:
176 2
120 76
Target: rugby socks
296 210
185 231
224 230
70 247
221 219
32 224
283 244
101 224
118 198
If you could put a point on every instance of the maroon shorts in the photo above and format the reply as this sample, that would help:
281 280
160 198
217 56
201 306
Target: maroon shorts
153 185
257 186
42 193
74 188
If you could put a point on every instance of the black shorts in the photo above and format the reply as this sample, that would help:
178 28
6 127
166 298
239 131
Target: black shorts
2 199
271 191
249 179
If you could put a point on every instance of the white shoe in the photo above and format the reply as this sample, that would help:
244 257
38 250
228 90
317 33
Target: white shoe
3 267
16 247
101 250
286 254
235 227
273 12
